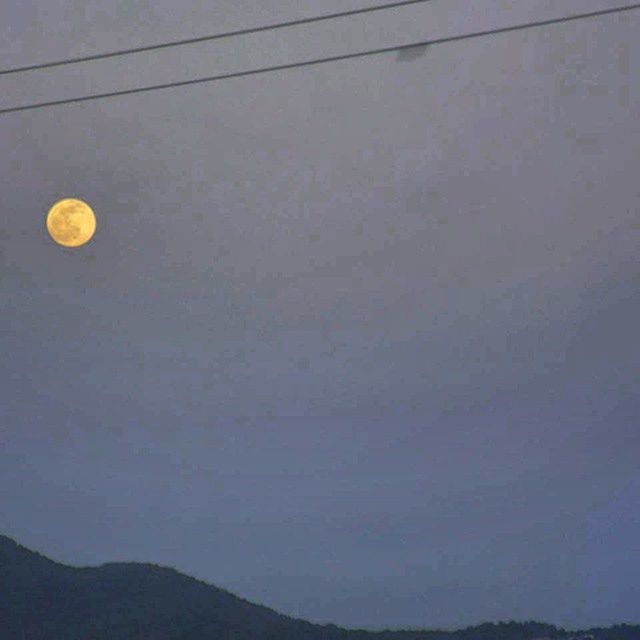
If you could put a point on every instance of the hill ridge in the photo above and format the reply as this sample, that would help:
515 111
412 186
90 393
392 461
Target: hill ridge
42 599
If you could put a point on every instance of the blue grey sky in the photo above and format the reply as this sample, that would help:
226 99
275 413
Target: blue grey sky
355 341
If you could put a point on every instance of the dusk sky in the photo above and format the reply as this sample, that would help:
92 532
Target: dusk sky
356 341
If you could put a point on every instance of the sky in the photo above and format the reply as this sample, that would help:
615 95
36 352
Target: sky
355 341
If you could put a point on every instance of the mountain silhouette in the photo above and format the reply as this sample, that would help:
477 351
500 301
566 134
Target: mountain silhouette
41 599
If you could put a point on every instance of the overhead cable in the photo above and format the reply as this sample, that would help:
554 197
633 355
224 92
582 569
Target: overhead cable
216 36
316 61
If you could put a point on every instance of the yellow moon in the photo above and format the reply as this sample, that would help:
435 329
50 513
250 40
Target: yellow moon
71 222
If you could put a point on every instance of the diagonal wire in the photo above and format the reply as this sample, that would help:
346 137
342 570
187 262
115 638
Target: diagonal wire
307 63
216 36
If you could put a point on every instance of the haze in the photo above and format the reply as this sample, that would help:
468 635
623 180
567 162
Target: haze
357 341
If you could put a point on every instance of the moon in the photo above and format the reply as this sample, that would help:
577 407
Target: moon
71 222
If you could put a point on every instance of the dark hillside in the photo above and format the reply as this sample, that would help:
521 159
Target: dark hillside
43 600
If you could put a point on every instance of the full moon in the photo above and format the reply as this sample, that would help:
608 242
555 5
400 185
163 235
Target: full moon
71 222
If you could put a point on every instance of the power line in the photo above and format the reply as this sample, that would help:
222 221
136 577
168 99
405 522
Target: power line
217 36
307 63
